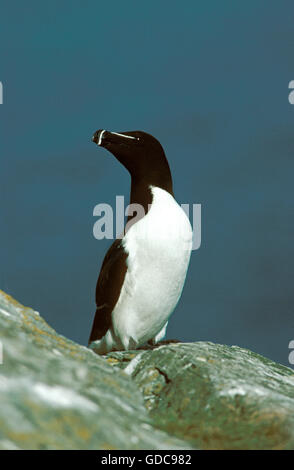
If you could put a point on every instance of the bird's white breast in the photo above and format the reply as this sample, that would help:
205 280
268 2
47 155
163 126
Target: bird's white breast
159 248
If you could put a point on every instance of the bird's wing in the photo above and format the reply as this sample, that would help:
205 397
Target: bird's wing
108 288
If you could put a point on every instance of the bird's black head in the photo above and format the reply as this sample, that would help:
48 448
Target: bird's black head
140 153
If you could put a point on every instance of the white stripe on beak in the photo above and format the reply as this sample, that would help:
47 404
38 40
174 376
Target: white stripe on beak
126 136
100 137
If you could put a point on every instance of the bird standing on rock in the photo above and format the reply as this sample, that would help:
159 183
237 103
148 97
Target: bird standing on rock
143 274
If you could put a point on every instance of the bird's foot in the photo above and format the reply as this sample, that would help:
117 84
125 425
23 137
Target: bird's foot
152 345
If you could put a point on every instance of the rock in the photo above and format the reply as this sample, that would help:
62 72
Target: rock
56 394
215 396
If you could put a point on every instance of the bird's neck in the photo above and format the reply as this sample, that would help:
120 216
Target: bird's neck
141 194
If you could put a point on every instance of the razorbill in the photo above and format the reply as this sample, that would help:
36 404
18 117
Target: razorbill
143 273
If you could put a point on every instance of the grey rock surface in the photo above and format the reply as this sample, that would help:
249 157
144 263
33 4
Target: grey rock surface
215 396
56 394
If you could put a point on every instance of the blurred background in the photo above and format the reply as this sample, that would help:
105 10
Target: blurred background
210 81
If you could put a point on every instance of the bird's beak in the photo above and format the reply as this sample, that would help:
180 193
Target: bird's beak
98 136
102 136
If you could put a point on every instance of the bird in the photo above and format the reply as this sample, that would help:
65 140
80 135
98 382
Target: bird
143 272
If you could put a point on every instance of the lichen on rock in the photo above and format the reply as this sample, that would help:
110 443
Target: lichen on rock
215 396
57 394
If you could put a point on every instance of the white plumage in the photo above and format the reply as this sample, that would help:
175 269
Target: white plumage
159 247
